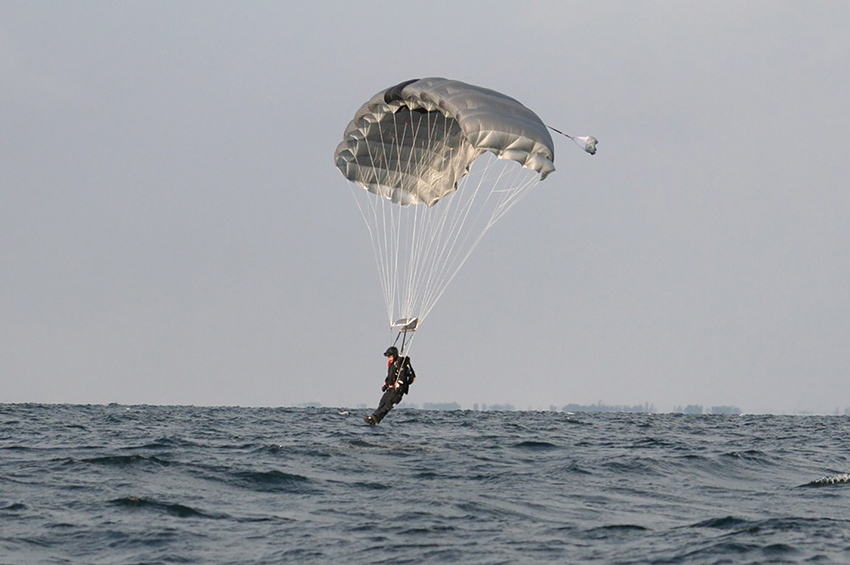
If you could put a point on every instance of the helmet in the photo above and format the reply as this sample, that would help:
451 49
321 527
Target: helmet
391 350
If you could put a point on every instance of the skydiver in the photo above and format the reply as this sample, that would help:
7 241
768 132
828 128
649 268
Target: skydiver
400 375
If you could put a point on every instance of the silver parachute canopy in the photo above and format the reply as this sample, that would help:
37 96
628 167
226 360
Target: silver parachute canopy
412 143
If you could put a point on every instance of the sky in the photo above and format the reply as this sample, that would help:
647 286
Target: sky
173 229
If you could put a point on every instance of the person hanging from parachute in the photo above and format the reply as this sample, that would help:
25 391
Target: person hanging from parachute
434 163
400 375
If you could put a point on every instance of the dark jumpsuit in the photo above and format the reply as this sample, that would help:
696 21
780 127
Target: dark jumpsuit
402 370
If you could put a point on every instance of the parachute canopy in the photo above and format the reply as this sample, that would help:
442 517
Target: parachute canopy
441 161
412 143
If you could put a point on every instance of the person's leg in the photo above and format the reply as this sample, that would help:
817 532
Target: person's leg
384 406
388 400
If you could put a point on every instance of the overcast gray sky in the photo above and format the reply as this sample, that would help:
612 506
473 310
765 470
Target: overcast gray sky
173 229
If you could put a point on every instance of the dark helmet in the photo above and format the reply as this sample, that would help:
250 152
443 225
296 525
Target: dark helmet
391 350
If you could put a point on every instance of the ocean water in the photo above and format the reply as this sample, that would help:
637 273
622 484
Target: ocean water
150 484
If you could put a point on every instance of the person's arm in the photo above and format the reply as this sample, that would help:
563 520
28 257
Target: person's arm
387 380
392 375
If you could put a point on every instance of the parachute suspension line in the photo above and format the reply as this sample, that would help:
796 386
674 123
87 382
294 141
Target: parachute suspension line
432 222
415 244
516 188
420 230
427 255
459 208
499 200
376 248
420 247
556 130
391 241
377 213
395 233
392 219
446 264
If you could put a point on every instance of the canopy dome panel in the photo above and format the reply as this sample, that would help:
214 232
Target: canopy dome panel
412 143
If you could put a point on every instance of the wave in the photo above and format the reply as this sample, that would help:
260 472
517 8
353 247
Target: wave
14 507
164 443
787 524
830 480
367 485
766 540
724 523
535 445
173 509
124 460
615 530
748 455
273 481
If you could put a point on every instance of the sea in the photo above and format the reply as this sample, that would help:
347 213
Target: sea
116 484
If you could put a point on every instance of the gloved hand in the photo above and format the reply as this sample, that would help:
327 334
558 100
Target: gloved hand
385 387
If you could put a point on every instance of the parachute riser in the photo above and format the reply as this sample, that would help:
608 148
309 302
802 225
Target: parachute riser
403 336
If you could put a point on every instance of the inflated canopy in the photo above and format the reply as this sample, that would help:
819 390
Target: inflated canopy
413 142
